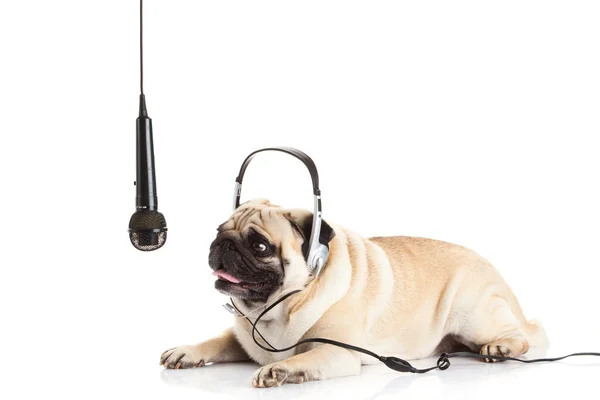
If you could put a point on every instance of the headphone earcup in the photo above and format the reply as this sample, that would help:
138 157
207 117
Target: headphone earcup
325 251
318 258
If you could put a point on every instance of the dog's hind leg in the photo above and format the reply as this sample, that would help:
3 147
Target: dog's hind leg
497 325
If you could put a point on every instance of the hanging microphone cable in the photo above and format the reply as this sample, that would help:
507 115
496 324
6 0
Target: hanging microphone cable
142 47
147 226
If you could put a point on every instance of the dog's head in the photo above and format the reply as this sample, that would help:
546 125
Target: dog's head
260 248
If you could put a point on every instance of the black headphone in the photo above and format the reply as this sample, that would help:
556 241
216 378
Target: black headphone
317 253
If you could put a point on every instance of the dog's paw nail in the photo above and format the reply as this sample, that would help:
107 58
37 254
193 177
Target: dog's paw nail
182 357
275 375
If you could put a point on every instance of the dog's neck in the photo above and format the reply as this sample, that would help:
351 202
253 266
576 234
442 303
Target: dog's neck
253 309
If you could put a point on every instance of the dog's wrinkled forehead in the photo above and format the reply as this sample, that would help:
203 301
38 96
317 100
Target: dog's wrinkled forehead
258 213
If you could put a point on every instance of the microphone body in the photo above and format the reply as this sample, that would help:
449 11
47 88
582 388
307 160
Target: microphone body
146 198
147 226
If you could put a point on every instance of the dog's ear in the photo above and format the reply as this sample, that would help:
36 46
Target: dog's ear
302 223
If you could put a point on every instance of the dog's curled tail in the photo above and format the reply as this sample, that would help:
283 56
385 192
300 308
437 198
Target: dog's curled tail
536 334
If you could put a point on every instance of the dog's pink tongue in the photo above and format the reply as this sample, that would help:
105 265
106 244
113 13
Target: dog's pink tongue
221 273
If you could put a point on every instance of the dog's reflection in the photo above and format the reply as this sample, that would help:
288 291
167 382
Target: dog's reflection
236 380
375 381
217 378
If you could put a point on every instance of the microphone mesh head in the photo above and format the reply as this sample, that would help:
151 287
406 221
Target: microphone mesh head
147 230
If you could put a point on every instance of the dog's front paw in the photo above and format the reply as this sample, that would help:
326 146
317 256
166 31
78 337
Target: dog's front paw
182 357
276 375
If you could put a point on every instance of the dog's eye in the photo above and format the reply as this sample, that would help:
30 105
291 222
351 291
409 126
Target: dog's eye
259 247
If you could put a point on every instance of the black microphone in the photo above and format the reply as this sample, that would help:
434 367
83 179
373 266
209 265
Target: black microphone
147 227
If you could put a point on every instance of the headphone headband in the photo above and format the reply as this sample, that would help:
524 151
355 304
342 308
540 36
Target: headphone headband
308 162
317 254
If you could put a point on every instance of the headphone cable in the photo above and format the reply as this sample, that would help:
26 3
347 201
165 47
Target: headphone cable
394 363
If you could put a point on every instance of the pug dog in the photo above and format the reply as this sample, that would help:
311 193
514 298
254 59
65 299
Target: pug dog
404 296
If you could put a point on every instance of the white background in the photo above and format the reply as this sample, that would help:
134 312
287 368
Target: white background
467 121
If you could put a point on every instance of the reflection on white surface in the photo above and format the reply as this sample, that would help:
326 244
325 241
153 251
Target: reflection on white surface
234 380
464 379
